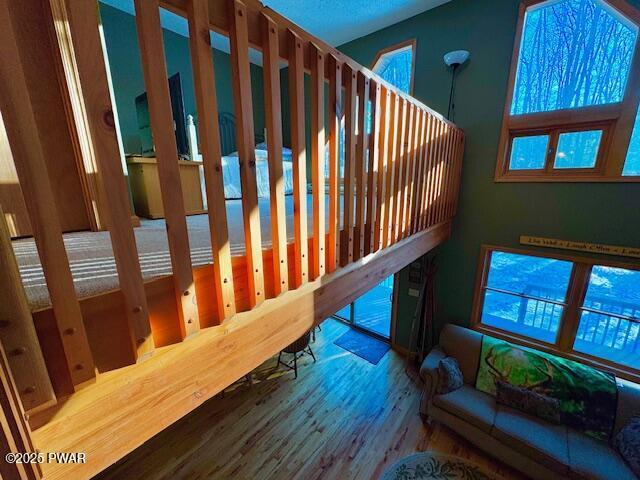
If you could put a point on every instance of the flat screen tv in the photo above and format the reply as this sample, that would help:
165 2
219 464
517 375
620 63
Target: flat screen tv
179 125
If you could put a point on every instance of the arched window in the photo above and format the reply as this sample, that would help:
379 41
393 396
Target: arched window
395 65
573 94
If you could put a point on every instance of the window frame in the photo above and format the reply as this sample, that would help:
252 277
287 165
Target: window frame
412 42
570 318
619 118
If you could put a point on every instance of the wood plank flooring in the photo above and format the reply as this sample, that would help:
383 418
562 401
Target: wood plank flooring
342 418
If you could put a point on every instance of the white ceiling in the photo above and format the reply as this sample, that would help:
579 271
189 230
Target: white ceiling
340 21
334 21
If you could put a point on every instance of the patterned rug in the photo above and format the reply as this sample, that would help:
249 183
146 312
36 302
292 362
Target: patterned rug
435 466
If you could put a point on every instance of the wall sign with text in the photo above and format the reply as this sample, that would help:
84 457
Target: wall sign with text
580 246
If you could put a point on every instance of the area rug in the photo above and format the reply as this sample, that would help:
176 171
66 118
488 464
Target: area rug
435 466
363 345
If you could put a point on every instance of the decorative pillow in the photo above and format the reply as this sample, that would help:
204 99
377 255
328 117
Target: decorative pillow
627 443
528 401
449 376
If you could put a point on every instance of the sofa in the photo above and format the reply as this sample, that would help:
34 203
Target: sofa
539 449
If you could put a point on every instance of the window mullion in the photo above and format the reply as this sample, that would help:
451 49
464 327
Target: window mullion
575 297
617 154
551 150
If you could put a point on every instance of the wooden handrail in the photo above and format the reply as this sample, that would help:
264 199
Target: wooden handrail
401 177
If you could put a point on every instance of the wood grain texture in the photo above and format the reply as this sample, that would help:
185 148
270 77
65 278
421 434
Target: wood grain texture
207 105
317 160
23 134
392 176
334 118
362 142
243 106
15 435
350 106
400 169
372 168
17 332
180 377
87 63
299 158
273 122
382 148
154 69
347 418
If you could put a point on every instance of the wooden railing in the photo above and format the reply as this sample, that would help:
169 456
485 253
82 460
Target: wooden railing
401 179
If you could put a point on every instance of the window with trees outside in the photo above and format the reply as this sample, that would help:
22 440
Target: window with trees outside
395 64
572 103
577 307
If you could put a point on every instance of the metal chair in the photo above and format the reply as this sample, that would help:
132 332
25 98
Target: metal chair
297 349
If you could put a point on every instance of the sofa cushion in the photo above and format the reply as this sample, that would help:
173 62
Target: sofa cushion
449 375
541 441
628 403
627 443
595 459
465 345
469 404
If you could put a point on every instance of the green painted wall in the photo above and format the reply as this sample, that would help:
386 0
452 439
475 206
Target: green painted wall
126 71
490 212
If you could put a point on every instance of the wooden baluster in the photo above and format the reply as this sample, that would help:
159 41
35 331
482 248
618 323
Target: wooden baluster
452 167
273 121
243 105
296 105
361 161
426 174
316 58
400 169
435 127
15 434
17 332
437 185
154 69
207 105
83 58
392 169
408 162
458 175
418 184
335 114
445 174
23 135
415 160
372 168
383 124
350 106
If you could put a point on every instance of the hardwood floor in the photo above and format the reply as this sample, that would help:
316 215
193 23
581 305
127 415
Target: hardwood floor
342 418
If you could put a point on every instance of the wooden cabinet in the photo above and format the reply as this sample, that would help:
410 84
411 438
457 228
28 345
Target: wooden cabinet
145 186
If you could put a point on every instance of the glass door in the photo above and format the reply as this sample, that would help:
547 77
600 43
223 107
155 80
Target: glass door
372 311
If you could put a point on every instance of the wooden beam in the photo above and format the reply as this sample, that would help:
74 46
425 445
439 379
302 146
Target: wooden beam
243 104
419 169
180 377
17 332
23 135
350 105
317 61
207 105
335 116
154 70
79 25
297 117
415 160
273 122
362 143
406 176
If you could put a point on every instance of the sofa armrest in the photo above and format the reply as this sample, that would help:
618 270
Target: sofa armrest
429 370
